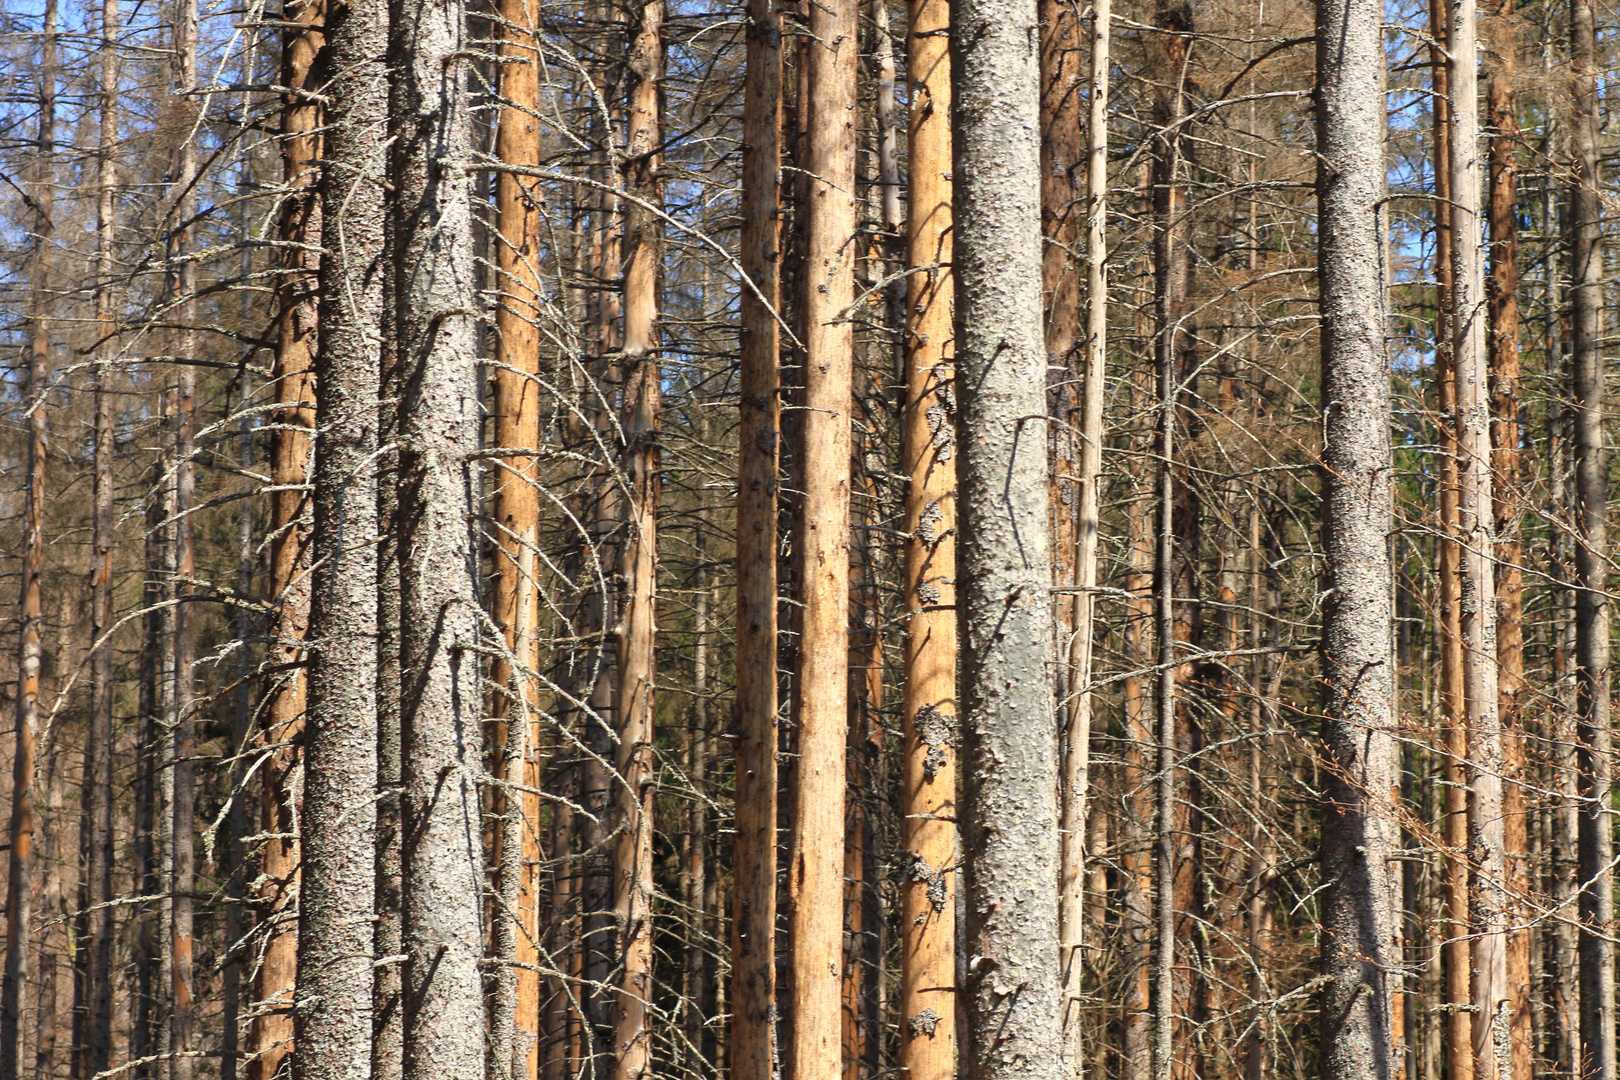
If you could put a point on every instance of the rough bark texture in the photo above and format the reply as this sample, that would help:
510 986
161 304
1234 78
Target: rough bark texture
816 870
435 313
1503 345
753 904
293 387
95 926
1591 554
339 815
928 456
1360 766
1009 805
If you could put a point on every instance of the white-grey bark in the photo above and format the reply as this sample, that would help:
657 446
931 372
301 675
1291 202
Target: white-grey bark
441 697
1359 831
1010 825
335 933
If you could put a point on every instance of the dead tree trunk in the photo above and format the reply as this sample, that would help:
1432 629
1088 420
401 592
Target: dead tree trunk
180 717
434 319
519 203
753 907
640 421
271 1031
19 877
1077 735
928 891
1360 767
339 816
95 929
1488 940
1503 345
1009 807
1593 737
816 870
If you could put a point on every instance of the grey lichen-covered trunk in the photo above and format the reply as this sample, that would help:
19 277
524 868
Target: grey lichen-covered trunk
1009 750
435 313
336 928
1359 830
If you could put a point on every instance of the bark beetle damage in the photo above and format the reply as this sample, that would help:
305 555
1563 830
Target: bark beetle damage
923 1023
936 731
917 869
939 425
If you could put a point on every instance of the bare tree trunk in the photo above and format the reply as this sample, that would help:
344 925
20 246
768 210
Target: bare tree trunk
1591 553
1487 870
1175 988
180 717
1360 773
1009 809
1077 737
271 1031
95 929
435 314
641 422
339 819
753 904
816 867
19 877
1459 1065
928 456
519 203
1503 345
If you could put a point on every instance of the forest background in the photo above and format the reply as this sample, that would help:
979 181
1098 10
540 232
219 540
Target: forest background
678 341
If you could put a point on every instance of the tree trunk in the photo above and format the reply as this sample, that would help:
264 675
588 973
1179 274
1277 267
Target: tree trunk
435 316
816 869
1359 830
753 905
519 203
1591 552
1503 343
1009 809
19 878
338 842
641 421
95 929
1487 870
1458 1029
928 837
1077 736
180 713
270 1034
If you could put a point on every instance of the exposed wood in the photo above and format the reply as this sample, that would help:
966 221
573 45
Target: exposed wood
815 871
293 389
928 457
